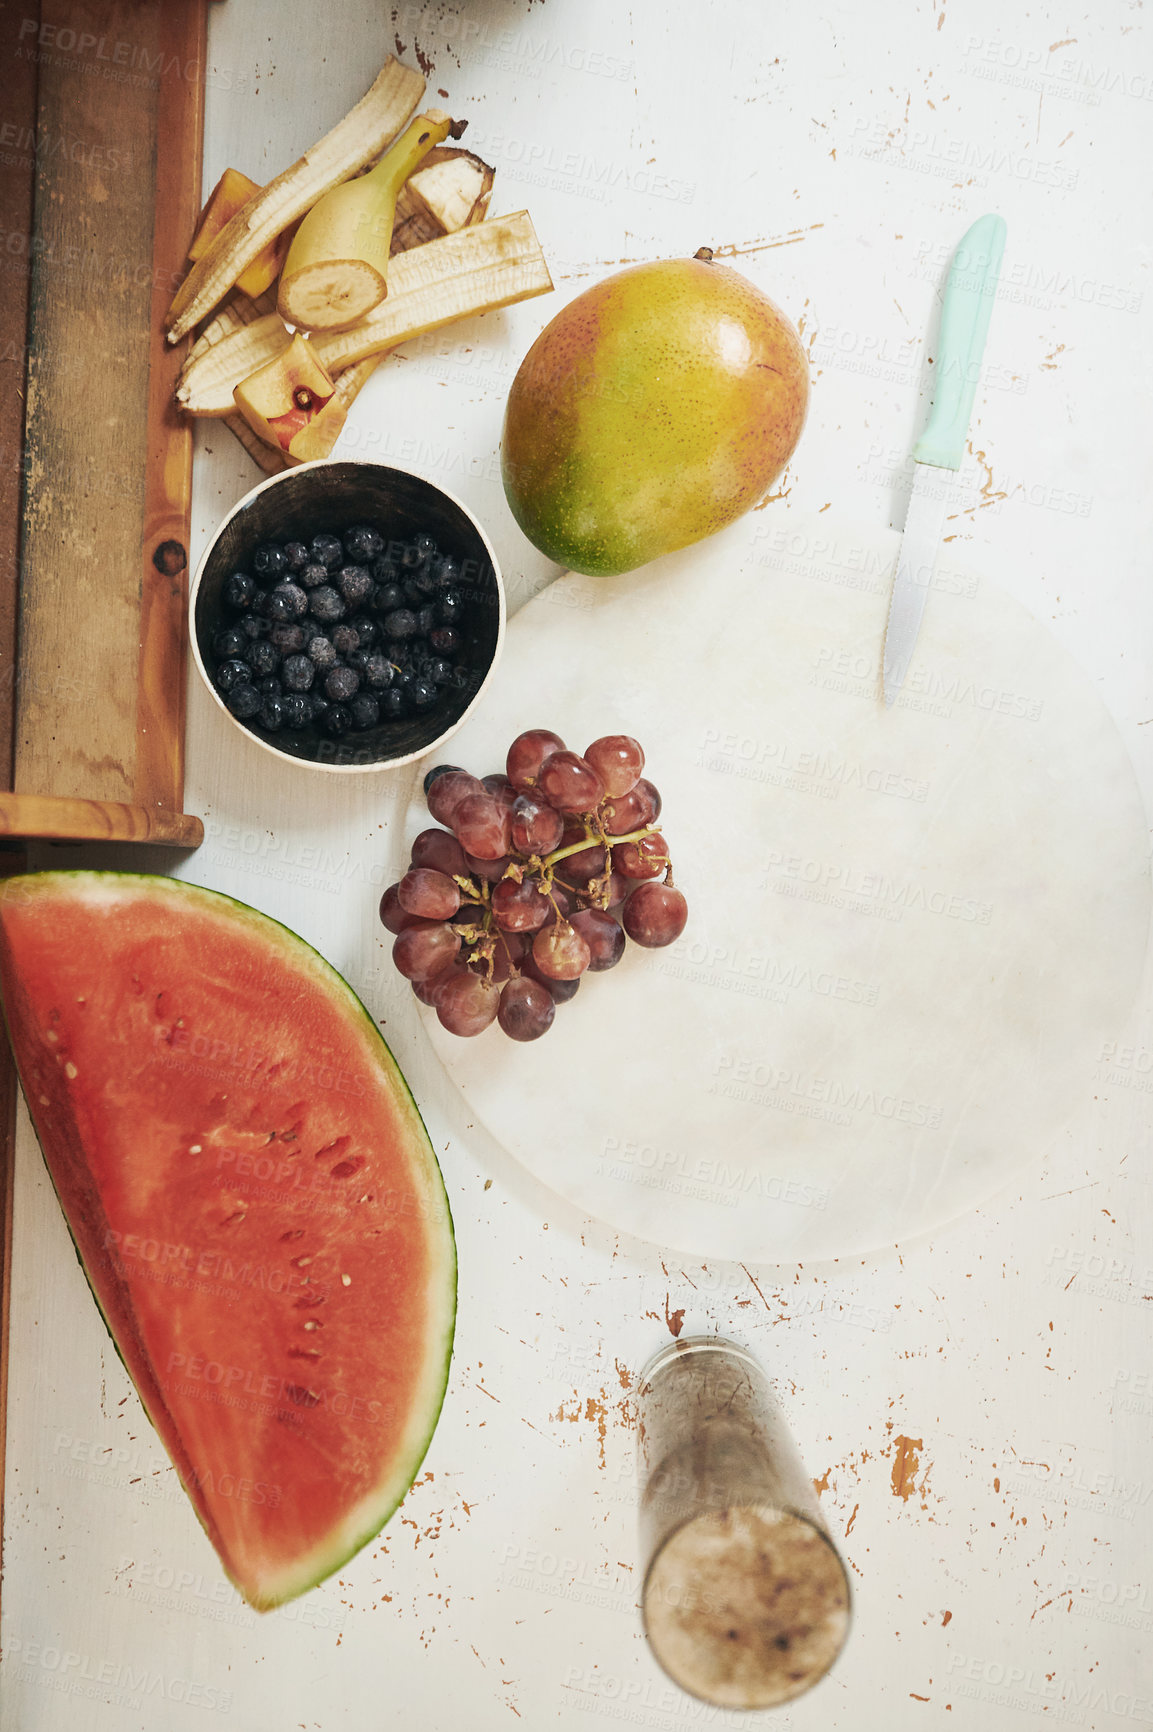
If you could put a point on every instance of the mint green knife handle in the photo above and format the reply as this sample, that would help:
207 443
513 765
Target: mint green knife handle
965 315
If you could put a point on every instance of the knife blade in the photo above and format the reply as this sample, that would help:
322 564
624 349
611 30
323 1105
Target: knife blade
965 313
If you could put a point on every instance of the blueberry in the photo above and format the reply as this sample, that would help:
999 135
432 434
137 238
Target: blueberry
423 582
401 623
365 711
423 694
254 625
321 653
410 557
296 554
297 710
449 606
287 602
288 639
362 542
393 705
425 547
440 672
270 562
229 642
438 770
377 671
445 572
341 684
445 640
239 591
325 604
232 673
365 630
414 595
244 701
336 720
272 714
298 673
317 703
311 575
344 639
426 621
261 657
270 687
326 550
387 597
354 584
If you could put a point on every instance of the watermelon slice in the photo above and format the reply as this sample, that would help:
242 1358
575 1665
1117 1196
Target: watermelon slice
254 1199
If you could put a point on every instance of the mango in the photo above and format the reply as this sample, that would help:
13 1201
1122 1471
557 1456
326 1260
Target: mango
654 410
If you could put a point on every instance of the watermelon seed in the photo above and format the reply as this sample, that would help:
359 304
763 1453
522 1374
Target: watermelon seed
302 1262
195 1149
51 1034
292 1233
313 1323
346 1280
70 1071
237 1216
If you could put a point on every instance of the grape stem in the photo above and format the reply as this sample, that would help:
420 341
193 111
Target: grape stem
550 860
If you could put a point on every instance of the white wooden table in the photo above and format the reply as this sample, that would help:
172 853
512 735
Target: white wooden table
975 1409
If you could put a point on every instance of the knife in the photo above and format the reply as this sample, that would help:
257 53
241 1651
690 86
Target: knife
965 314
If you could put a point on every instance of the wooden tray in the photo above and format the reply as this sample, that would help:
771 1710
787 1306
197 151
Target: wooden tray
98 197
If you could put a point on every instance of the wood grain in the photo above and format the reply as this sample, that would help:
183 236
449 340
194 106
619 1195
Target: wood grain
17 178
90 311
61 818
160 701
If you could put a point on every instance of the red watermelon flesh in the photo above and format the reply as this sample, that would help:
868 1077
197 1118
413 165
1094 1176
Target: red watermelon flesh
254 1199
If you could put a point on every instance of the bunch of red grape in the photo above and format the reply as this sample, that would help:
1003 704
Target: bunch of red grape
539 875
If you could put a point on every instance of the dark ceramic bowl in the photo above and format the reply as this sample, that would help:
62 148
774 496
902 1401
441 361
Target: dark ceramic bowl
327 497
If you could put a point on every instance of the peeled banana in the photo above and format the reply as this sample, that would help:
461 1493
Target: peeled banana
337 266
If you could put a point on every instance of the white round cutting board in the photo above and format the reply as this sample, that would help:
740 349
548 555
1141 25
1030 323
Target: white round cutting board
909 928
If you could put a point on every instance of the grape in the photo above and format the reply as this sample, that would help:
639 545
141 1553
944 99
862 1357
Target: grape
467 1003
644 859
449 790
527 753
564 899
589 863
617 760
490 870
570 784
482 825
537 827
605 939
427 990
425 948
654 915
429 893
500 788
392 915
526 1009
436 848
519 907
560 951
508 953
632 811
559 990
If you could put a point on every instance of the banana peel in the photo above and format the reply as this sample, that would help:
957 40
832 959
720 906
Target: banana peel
351 145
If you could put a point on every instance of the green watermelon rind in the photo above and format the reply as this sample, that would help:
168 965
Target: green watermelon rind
42 884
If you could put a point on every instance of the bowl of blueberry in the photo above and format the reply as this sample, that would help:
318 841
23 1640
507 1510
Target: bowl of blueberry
347 615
